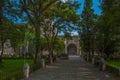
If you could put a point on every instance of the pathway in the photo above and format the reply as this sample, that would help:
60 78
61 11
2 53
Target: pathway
72 69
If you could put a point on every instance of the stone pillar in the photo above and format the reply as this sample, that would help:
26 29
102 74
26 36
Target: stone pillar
65 49
43 63
65 46
26 70
80 51
93 60
77 49
104 67
119 71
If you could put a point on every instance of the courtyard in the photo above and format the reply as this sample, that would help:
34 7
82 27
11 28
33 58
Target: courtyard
60 39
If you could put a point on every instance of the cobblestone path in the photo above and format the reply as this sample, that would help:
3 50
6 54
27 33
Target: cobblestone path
72 69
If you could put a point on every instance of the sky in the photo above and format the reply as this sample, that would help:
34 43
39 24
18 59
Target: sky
95 6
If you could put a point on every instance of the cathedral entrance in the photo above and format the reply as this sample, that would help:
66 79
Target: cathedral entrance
72 49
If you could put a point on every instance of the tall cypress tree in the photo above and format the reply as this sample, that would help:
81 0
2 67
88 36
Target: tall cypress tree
87 24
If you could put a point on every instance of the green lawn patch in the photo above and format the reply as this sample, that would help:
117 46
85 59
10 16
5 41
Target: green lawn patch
11 68
113 67
115 64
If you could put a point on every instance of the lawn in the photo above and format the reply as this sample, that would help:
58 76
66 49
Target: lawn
115 64
11 68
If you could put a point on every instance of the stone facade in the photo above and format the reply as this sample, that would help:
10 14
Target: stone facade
8 50
72 47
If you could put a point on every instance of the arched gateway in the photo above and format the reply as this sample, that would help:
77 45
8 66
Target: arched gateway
72 49
72 46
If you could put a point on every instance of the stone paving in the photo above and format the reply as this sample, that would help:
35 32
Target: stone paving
72 69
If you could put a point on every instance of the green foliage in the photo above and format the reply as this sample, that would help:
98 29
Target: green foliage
64 15
59 47
4 28
59 17
86 28
42 43
46 58
67 35
17 41
108 30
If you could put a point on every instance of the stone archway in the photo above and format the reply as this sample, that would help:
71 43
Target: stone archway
72 49
72 46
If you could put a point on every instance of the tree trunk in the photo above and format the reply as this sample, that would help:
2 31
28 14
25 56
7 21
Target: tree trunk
51 58
2 49
37 44
89 55
92 53
50 55
93 59
1 22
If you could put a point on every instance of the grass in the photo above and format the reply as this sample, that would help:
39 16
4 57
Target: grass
115 64
11 68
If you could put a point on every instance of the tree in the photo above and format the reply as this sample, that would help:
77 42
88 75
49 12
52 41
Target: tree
108 27
34 10
4 34
58 19
7 13
59 46
1 22
87 26
17 41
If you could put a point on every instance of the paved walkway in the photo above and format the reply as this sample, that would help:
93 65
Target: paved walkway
72 69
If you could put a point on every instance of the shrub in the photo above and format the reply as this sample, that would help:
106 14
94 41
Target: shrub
46 58
18 56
